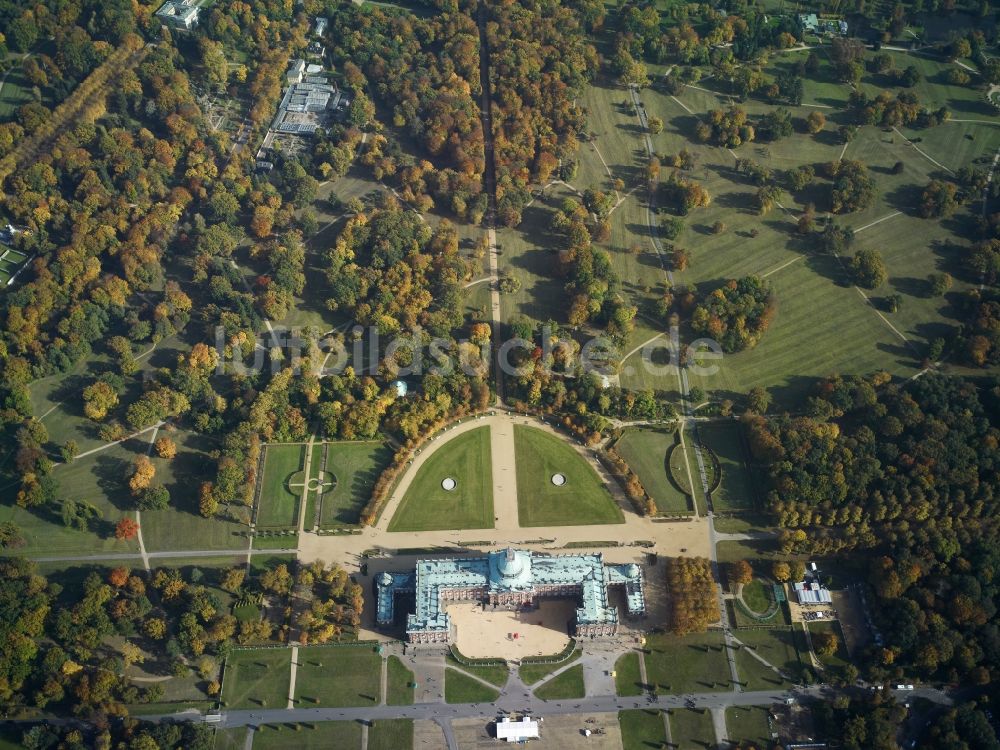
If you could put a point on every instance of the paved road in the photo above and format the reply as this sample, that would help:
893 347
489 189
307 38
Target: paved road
529 704
163 555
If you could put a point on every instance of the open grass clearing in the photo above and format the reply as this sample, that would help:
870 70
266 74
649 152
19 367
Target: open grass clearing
645 451
391 734
568 684
278 501
257 678
532 673
353 467
494 673
642 729
628 677
399 683
320 735
427 505
693 663
777 646
748 724
460 688
735 490
338 676
692 729
582 500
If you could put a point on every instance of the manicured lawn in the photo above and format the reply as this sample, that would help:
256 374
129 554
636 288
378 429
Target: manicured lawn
532 673
645 451
582 500
642 729
628 678
735 491
338 676
755 597
391 734
748 724
458 688
497 674
278 502
304 736
693 663
776 646
257 679
691 729
399 683
569 684
355 467
427 505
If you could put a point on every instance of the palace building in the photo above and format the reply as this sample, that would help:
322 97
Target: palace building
509 579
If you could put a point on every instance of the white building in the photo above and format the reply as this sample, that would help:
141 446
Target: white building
296 71
522 730
321 24
181 14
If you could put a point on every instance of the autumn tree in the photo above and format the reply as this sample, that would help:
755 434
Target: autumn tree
141 475
98 399
165 447
126 529
740 573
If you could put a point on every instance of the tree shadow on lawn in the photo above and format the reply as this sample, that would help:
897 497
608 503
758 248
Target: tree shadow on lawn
827 137
903 353
978 107
905 198
686 125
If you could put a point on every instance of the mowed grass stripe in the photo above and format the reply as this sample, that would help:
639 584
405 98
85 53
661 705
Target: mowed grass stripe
428 506
278 501
735 491
645 451
582 500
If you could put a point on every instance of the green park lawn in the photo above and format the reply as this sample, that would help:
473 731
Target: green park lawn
305 736
641 729
427 505
735 491
691 729
338 676
391 734
532 673
354 467
493 673
582 500
774 645
693 663
645 451
257 678
460 688
748 724
399 679
278 502
628 678
755 597
568 684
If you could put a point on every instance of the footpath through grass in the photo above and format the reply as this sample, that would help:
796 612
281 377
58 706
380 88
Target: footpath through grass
532 673
257 678
460 688
353 467
567 685
582 500
428 506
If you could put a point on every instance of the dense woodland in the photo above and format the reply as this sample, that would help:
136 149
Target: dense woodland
907 474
